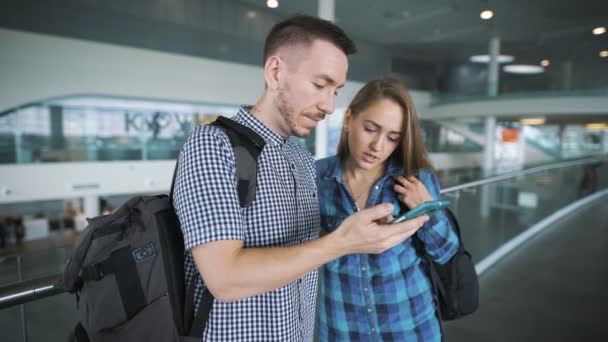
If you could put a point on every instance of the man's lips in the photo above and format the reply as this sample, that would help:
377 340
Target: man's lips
315 118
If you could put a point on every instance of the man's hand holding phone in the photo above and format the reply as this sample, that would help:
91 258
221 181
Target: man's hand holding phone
364 232
426 208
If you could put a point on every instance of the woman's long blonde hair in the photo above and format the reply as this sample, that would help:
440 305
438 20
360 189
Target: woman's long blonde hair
411 151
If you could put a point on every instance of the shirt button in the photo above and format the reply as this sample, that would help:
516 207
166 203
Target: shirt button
363 269
377 187
293 166
373 330
365 289
369 309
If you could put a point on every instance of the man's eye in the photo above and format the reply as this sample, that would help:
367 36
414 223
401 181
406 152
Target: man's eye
319 86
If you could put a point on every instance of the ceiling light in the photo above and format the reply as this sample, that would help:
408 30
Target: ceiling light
532 121
486 59
251 14
545 62
487 14
596 126
599 30
604 53
272 3
523 69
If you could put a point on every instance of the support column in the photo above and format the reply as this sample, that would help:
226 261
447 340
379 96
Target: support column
567 75
490 141
562 132
327 9
488 166
57 136
493 67
490 127
492 91
91 205
18 140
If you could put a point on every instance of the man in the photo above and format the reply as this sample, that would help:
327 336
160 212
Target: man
259 262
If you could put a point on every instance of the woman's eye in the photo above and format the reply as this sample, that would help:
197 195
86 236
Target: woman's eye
367 129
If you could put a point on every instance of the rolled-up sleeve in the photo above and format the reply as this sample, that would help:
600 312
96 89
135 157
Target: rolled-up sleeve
437 234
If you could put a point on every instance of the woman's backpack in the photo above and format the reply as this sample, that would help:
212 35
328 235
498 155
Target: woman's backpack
455 283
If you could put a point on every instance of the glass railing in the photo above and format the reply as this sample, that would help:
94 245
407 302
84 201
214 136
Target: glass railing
453 177
491 213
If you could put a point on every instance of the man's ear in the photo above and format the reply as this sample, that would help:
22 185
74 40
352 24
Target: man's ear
272 69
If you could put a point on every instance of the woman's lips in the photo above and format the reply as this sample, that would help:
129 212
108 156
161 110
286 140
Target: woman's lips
370 158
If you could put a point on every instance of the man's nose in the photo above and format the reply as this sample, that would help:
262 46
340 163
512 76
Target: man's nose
327 105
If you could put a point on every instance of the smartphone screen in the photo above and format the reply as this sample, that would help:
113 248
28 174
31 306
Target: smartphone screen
425 208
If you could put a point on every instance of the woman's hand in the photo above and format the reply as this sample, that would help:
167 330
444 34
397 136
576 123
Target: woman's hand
411 191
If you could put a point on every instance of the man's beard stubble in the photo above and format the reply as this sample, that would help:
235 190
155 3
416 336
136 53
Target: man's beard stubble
287 111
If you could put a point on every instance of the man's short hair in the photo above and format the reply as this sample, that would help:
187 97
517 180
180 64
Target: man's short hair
304 29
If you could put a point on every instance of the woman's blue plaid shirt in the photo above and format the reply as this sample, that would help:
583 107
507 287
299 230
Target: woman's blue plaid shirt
368 297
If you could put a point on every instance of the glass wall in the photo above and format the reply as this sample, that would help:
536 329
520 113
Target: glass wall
94 128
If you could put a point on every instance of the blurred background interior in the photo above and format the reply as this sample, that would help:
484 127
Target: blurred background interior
98 97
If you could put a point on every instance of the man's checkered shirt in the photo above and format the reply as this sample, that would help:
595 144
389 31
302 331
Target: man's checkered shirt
285 212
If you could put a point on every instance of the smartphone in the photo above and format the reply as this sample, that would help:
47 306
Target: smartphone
425 208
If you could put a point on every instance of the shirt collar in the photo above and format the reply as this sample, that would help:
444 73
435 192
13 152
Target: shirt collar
245 117
334 169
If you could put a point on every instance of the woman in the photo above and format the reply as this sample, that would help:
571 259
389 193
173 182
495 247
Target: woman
381 158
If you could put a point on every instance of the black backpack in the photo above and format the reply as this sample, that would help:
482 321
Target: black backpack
127 268
455 283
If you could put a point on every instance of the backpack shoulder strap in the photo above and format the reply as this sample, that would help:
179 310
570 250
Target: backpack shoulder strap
247 145
454 223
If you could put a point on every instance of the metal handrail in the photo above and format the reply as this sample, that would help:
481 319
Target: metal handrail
520 173
31 290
